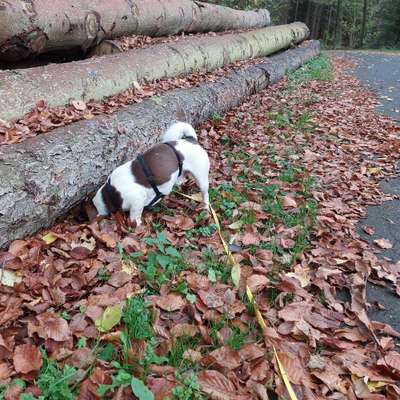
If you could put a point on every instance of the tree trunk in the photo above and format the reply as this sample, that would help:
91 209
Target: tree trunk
314 20
100 77
327 34
37 26
338 25
43 177
296 10
308 13
318 22
364 23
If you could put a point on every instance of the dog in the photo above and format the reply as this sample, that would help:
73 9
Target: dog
141 183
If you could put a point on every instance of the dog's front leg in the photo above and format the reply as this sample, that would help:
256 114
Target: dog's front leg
135 215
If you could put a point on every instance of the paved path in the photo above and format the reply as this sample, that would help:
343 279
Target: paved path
381 73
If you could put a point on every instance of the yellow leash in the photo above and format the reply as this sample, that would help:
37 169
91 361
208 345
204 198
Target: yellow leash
235 274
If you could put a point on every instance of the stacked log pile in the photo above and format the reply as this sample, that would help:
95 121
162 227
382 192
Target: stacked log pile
43 177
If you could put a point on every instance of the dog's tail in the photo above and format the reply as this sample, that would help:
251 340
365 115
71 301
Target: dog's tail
179 130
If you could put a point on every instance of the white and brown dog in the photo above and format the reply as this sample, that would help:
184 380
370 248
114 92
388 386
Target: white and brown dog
142 182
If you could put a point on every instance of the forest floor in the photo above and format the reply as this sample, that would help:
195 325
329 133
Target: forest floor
99 310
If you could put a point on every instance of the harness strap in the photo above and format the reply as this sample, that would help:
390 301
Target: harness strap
178 157
150 178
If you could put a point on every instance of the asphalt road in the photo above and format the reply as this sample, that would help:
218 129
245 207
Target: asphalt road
381 73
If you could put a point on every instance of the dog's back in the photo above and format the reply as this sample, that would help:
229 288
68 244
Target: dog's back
178 131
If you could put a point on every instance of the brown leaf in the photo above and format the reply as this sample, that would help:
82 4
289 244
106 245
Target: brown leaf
160 387
392 360
80 253
265 256
81 358
27 358
79 105
210 298
225 357
171 302
51 326
293 367
179 222
184 330
5 371
250 238
257 283
289 202
383 243
251 351
369 229
218 387
119 279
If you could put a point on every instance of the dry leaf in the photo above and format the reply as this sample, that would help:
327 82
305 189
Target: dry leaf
383 243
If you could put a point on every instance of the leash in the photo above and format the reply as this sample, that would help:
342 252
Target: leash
235 276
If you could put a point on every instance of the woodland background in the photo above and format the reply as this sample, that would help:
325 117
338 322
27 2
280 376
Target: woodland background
337 23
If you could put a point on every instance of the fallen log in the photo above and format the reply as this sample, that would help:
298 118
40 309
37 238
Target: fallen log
43 177
37 26
97 78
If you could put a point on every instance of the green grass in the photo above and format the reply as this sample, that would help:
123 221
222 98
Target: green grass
237 339
319 69
138 319
202 231
180 345
214 267
285 118
161 265
188 389
225 199
55 382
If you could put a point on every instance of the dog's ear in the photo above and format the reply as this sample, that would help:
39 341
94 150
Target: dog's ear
180 114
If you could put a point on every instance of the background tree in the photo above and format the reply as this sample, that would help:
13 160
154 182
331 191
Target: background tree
338 23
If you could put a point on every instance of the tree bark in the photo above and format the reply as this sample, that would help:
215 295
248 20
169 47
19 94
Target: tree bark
98 78
37 26
43 177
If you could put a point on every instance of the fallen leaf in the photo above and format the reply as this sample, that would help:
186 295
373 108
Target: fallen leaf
225 357
171 302
27 358
217 386
257 283
383 243
235 275
49 238
235 225
79 105
110 318
140 390
9 278
52 326
289 202
370 230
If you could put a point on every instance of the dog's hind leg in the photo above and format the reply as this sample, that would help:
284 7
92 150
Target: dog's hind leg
201 177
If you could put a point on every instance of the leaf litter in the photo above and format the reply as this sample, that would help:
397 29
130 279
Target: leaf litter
106 310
